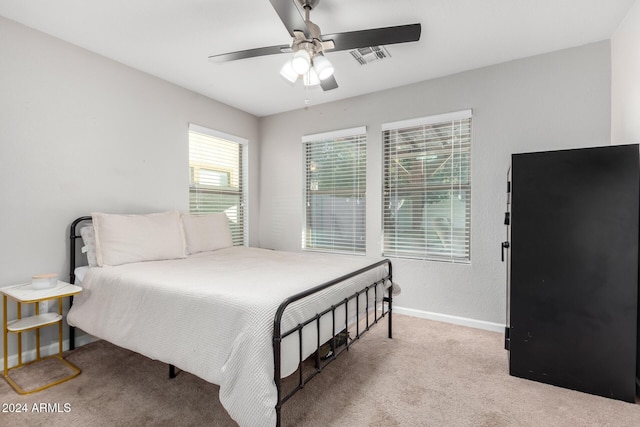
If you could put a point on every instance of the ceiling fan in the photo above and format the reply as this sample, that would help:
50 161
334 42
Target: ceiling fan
309 45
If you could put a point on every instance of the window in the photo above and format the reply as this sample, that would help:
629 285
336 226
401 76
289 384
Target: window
335 187
217 177
427 187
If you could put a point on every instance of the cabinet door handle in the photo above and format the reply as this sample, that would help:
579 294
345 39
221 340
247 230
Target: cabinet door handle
505 245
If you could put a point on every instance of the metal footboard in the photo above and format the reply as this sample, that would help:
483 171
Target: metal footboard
279 335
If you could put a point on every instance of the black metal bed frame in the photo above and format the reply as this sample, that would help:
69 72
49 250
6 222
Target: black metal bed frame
279 335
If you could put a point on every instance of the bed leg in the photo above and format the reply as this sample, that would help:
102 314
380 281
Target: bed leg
390 302
72 338
172 371
72 330
390 299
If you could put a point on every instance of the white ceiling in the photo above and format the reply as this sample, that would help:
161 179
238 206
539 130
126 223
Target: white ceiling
172 39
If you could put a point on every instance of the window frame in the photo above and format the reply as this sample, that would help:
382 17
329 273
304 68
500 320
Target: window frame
242 238
418 247
359 135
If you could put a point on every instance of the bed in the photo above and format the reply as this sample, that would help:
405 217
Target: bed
172 287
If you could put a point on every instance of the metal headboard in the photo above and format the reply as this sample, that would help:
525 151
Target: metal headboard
73 236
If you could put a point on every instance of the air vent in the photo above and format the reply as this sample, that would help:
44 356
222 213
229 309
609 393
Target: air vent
366 55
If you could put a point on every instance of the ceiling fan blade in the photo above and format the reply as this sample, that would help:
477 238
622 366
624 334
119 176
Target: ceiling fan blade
374 37
290 16
328 83
250 53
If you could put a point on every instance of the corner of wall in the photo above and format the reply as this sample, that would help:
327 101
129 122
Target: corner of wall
625 85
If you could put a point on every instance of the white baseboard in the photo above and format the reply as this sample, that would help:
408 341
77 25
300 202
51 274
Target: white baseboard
48 350
479 324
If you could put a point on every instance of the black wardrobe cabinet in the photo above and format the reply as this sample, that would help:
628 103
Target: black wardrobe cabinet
573 288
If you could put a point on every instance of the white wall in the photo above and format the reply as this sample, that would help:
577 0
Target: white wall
625 85
553 101
81 133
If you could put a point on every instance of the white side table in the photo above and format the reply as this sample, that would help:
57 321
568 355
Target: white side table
25 294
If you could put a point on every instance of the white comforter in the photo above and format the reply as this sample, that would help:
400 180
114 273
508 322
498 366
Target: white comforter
211 314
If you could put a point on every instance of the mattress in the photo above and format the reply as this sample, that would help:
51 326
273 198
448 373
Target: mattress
212 314
79 274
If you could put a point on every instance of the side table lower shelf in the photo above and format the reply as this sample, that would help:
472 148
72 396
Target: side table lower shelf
23 294
75 372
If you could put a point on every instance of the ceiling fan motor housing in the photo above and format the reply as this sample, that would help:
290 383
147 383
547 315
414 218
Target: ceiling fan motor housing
313 45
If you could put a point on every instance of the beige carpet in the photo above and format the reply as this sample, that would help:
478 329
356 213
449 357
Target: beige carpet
430 374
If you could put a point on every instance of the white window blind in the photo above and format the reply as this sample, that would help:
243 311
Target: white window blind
217 175
335 187
427 188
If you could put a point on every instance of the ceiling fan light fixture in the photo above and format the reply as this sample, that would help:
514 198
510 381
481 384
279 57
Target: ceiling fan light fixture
288 72
301 61
323 67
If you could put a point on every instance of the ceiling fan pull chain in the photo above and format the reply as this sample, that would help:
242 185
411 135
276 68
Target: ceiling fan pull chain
306 94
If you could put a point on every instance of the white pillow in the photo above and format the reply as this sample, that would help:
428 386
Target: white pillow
206 232
122 239
89 240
